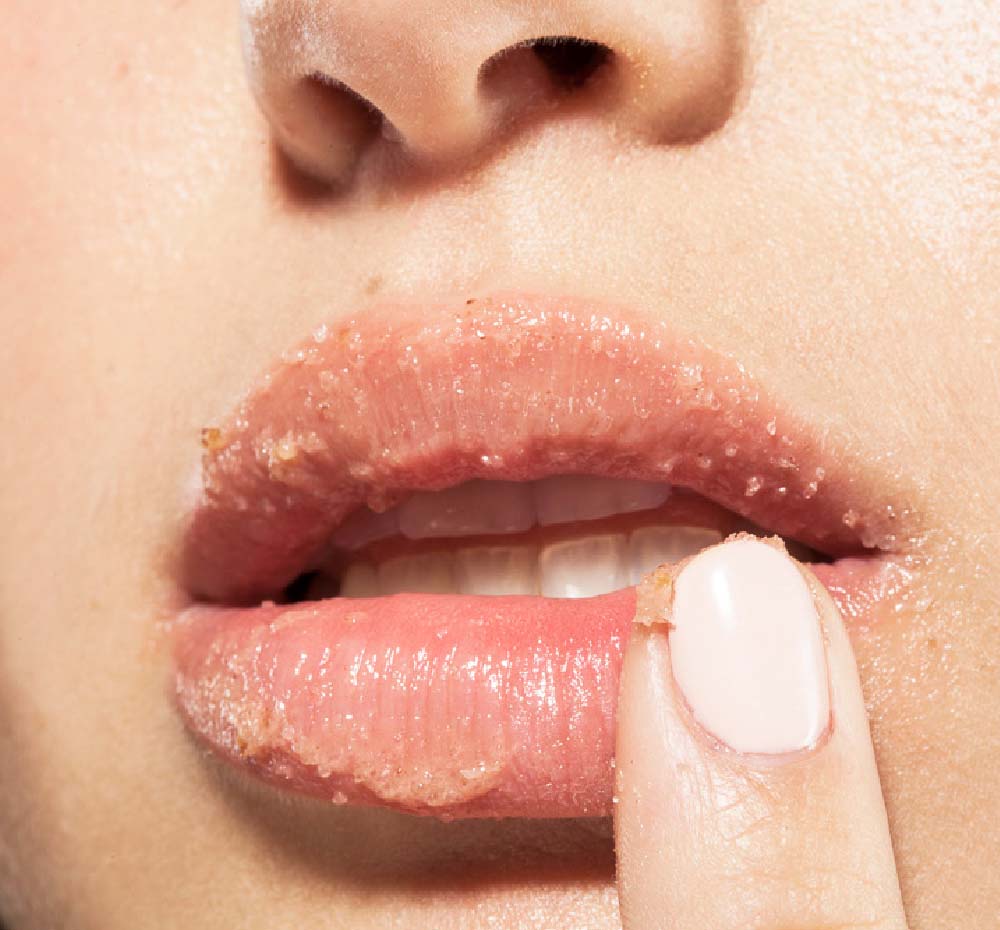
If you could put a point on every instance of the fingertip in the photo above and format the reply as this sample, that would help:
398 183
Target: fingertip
743 748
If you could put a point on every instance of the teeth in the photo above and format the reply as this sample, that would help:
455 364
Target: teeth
430 572
654 545
497 570
479 508
581 567
582 497
584 567
476 508
360 580
365 526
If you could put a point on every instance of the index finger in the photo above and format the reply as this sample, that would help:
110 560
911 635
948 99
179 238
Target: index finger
748 795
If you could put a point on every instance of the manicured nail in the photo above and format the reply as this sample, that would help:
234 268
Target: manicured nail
747 650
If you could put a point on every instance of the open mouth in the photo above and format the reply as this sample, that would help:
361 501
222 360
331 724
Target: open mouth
567 536
415 553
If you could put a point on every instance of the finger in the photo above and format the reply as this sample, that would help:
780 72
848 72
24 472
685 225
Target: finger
747 790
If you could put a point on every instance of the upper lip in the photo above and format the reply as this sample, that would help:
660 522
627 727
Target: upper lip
370 409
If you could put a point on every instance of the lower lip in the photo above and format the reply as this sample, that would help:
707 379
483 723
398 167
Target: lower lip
443 705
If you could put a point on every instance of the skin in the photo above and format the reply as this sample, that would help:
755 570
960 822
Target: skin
836 230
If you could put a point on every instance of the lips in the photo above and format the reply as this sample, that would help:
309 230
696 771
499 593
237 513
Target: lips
453 704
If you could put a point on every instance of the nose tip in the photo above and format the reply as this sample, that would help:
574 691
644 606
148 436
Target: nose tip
439 82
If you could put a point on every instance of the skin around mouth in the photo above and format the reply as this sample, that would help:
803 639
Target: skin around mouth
463 705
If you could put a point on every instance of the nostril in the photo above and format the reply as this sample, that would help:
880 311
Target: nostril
540 74
570 62
343 108
324 125
335 94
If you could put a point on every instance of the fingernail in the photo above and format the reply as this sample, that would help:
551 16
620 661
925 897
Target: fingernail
747 651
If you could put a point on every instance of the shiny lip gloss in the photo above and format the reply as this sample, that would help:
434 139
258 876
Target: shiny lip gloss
455 705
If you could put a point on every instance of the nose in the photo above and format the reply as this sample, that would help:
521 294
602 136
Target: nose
439 80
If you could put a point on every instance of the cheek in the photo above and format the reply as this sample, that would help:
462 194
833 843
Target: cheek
929 678
939 87
124 126
906 98
121 123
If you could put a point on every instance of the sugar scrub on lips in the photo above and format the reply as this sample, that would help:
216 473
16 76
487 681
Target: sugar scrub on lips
370 410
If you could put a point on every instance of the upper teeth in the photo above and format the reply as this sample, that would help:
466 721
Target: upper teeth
478 508
582 567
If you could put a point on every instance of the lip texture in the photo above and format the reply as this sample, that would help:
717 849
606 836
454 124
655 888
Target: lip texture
458 705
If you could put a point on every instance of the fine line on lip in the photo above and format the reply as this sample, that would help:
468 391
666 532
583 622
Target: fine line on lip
422 397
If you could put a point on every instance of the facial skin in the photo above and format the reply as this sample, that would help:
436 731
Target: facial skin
814 189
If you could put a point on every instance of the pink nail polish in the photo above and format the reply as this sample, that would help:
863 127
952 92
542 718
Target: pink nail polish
747 650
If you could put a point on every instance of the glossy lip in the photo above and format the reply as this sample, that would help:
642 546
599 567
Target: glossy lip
470 706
